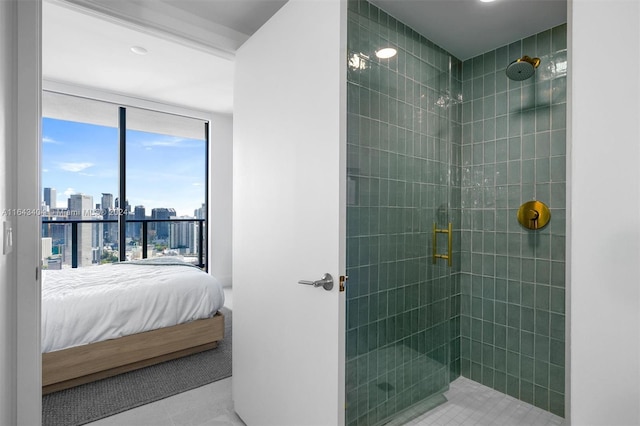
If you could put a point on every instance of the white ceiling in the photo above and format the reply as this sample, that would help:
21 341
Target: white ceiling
191 43
467 28
245 16
87 50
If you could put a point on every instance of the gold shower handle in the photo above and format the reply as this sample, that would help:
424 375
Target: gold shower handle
449 232
534 215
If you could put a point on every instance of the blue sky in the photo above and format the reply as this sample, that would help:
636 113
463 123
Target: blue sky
162 170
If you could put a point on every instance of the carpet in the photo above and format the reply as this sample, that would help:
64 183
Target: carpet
94 401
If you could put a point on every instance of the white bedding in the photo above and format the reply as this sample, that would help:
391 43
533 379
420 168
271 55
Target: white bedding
92 304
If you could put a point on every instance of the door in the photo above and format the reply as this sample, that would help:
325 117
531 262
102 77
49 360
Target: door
289 217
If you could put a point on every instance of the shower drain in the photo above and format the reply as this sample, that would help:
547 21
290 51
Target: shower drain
384 386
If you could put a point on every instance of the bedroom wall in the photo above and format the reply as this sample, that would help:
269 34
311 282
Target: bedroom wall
220 197
8 322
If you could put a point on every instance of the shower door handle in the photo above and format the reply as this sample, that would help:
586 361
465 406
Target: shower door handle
436 255
325 282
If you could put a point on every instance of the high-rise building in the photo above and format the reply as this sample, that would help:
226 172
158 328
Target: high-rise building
126 206
110 229
81 208
162 228
55 231
97 240
183 236
107 201
139 213
201 213
50 198
47 248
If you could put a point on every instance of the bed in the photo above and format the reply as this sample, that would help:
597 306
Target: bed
105 320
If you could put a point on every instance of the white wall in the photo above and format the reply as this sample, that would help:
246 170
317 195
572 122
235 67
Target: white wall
604 201
220 197
7 262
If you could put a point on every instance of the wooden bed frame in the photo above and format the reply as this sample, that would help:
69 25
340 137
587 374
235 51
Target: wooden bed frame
83 364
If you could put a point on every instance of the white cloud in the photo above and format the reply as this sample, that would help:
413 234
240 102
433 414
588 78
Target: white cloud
46 139
69 191
173 142
166 142
75 167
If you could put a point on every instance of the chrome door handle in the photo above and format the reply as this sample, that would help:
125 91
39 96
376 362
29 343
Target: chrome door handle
325 282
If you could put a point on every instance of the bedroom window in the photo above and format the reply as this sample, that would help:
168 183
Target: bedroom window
95 154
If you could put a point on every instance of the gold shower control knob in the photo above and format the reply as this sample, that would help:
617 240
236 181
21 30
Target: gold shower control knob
534 215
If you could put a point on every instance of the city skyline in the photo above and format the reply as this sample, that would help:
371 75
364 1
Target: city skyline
133 208
85 244
163 171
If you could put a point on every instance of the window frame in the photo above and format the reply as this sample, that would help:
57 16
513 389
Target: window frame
122 102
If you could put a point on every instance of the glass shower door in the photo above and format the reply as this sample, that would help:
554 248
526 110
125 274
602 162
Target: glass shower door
399 302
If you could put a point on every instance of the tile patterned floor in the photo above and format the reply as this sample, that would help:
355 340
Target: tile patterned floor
469 404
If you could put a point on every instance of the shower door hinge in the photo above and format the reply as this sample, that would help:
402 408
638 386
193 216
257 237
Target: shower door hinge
343 279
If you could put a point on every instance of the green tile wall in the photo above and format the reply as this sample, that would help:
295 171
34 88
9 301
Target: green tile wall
431 139
403 312
513 279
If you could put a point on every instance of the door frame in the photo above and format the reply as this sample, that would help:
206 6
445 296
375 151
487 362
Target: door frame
27 196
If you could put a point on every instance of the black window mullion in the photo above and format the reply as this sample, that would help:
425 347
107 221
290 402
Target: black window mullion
122 198
206 196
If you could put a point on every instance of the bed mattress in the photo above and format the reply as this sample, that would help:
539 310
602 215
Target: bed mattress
92 304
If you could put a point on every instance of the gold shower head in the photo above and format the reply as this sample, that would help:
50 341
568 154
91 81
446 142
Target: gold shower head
523 68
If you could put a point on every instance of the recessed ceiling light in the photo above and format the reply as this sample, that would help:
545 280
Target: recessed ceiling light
386 53
139 50
487 1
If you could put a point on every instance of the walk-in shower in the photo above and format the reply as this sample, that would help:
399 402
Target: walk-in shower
443 280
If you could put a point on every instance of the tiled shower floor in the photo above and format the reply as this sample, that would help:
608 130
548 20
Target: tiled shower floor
470 403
